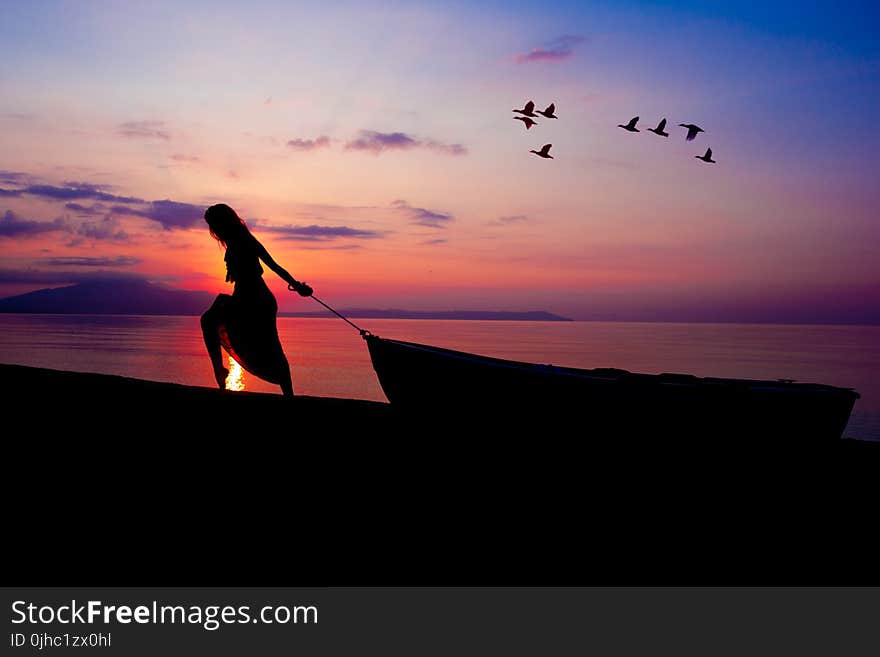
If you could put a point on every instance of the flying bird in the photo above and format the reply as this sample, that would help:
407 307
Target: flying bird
526 121
527 110
659 129
549 111
707 157
692 130
544 152
631 126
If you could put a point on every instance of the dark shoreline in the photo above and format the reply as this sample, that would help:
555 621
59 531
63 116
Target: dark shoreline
115 480
122 398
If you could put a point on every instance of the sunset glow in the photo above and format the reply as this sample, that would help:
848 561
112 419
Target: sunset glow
235 378
371 147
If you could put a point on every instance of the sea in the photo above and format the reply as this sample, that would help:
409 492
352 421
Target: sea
328 357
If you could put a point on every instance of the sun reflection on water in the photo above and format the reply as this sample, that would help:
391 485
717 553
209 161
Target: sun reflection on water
235 378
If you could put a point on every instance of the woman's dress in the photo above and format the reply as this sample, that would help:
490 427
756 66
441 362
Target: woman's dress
247 318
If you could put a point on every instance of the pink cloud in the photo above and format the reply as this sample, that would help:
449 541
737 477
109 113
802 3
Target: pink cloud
143 130
186 159
377 142
309 144
556 50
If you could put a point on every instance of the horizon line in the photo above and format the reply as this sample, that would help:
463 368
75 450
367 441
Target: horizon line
328 315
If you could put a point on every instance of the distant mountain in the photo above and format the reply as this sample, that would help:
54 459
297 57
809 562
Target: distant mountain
133 297
121 297
393 313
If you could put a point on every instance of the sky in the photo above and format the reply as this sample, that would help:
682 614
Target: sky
371 147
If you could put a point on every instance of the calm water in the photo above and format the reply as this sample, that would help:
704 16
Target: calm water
330 359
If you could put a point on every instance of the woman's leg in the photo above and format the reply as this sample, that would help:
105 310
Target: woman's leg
283 366
211 333
286 382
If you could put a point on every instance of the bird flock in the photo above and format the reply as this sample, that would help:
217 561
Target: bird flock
692 132
528 118
529 114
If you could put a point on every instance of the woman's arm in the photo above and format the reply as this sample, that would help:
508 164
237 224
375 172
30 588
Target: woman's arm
281 271
274 266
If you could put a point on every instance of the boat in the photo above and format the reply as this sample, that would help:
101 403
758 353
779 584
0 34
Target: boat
438 385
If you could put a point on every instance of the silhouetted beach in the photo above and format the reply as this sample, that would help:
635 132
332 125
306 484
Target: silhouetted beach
197 483
114 405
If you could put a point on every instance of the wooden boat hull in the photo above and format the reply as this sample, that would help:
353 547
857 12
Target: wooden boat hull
443 384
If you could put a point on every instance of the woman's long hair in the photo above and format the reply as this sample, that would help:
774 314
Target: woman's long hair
225 225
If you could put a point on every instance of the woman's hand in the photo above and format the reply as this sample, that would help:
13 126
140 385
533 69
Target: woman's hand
300 288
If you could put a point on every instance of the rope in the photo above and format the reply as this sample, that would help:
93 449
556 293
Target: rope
364 333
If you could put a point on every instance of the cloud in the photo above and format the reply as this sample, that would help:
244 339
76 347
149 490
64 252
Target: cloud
107 229
13 177
76 191
447 149
35 276
83 210
556 50
309 144
11 225
433 242
186 159
333 247
143 130
315 233
423 216
509 220
171 214
378 142
81 261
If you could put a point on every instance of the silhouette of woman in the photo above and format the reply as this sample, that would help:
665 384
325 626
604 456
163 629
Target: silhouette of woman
244 323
